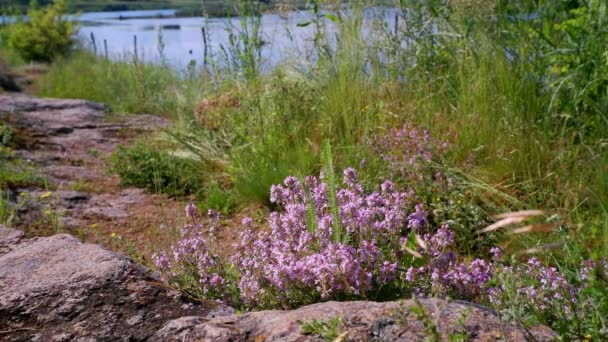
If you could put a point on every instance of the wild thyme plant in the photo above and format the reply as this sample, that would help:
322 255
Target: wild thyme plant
386 250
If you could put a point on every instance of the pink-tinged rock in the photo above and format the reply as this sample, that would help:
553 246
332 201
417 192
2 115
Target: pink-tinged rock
362 321
58 288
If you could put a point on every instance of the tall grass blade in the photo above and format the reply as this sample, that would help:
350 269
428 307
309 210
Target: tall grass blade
329 175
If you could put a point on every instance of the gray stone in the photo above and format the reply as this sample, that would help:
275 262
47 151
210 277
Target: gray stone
58 288
362 321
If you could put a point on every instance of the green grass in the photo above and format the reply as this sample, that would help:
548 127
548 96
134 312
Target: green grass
127 87
7 212
15 173
492 108
147 166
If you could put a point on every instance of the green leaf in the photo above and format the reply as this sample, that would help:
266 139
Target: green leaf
304 24
409 259
332 17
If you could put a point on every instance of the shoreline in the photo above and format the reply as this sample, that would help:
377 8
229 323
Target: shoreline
218 9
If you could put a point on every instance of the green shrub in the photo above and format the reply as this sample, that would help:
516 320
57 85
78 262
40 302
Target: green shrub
146 167
6 135
219 198
45 35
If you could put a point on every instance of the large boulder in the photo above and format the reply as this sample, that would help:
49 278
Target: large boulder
360 321
58 288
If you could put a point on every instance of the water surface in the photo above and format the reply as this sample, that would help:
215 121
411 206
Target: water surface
182 38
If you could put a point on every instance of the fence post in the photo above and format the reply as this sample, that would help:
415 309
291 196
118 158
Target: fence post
396 24
94 44
205 48
135 47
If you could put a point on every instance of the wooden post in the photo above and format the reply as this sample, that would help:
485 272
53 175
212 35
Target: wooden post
105 47
396 24
135 47
94 44
205 48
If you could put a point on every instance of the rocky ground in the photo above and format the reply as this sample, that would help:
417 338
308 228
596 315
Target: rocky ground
66 142
58 288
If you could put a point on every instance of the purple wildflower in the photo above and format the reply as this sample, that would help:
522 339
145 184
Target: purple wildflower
191 211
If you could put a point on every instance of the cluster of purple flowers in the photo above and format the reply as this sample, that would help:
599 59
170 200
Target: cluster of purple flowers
300 253
194 251
386 240
545 289
300 259
443 274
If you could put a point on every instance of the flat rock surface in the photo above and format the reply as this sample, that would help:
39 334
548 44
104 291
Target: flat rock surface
58 288
361 321
67 143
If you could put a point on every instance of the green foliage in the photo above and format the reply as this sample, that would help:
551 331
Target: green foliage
244 48
145 166
575 40
218 198
256 173
125 86
517 88
14 173
6 135
461 334
7 210
44 36
328 330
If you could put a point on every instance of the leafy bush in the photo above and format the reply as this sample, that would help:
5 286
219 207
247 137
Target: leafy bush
144 166
44 35
218 198
574 36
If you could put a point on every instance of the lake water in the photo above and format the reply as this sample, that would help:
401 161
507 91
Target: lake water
183 39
